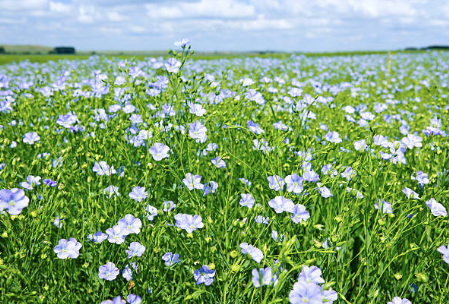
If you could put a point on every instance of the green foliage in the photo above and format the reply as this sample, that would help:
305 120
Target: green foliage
371 257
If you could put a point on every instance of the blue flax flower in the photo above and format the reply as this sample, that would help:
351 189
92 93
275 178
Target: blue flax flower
170 258
263 276
193 181
219 163
135 249
30 138
188 222
108 272
133 299
247 200
304 292
398 300
436 208
281 204
13 200
169 206
116 300
255 253
138 194
67 249
204 275
300 213
198 131
129 224
294 183
150 212
115 235
159 151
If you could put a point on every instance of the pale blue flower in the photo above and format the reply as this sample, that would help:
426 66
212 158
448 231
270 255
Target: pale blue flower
255 253
108 272
204 275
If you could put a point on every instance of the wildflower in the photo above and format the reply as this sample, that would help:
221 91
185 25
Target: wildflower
150 212
116 300
127 273
135 249
398 300
66 249
138 194
193 181
254 127
169 206
262 220
31 138
115 235
129 224
171 259
347 173
247 82
133 299
31 182
276 182
50 182
422 178
97 237
410 193
13 200
159 151
436 208
188 222
245 181
326 168
108 272
58 222
311 275
281 204
444 250
294 183
247 200
360 144
204 275
329 295
299 213
333 137
210 187
324 191
182 42
412 141
278 238
386 206
172 65
304 292
102 168
263 276
310 175
219 163
198 131
196 109
255 253
110 190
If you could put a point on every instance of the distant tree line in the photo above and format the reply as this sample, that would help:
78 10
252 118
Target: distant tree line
56 50
432 47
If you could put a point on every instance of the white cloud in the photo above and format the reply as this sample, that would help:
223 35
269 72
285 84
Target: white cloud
209 9
226 24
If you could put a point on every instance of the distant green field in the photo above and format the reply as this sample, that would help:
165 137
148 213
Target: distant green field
8 58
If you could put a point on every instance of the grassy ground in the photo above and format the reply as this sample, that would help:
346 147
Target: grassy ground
294 180
7 58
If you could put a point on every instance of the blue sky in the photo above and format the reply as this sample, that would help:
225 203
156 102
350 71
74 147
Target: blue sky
226 25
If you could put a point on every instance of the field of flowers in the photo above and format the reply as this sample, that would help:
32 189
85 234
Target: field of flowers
244 180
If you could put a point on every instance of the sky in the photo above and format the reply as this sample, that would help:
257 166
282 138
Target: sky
226 25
